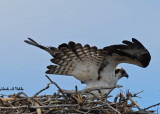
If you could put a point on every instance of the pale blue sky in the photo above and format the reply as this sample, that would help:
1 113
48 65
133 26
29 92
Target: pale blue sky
96 22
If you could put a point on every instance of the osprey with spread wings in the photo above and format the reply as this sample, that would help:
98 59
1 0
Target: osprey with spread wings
95 67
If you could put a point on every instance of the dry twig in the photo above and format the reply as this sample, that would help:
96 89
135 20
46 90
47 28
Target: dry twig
69 101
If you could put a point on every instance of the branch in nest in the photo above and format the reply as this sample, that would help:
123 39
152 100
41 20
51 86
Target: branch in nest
135 95
88 90
57 87
39 107
151 106
42 90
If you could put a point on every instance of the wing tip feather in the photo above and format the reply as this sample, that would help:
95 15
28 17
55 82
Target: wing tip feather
134 40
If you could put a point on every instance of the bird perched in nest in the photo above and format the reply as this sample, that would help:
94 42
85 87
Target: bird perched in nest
95 67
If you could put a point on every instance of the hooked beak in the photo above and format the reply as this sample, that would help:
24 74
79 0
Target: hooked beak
126 75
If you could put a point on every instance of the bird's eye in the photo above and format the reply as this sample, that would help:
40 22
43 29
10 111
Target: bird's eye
117 71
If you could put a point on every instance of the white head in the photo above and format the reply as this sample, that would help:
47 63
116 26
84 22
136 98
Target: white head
120 72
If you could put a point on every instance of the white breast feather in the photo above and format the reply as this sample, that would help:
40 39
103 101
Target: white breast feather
85 70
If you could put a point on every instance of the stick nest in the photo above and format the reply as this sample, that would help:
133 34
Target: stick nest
70 102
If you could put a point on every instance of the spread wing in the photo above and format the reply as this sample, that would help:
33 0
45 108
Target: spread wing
129 52
87 63
73 59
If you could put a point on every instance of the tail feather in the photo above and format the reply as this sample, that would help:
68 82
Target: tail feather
63 45
50 50
57 61
61 70
100 56
32 42
86 49
72 47
69 53
82 55
93 51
